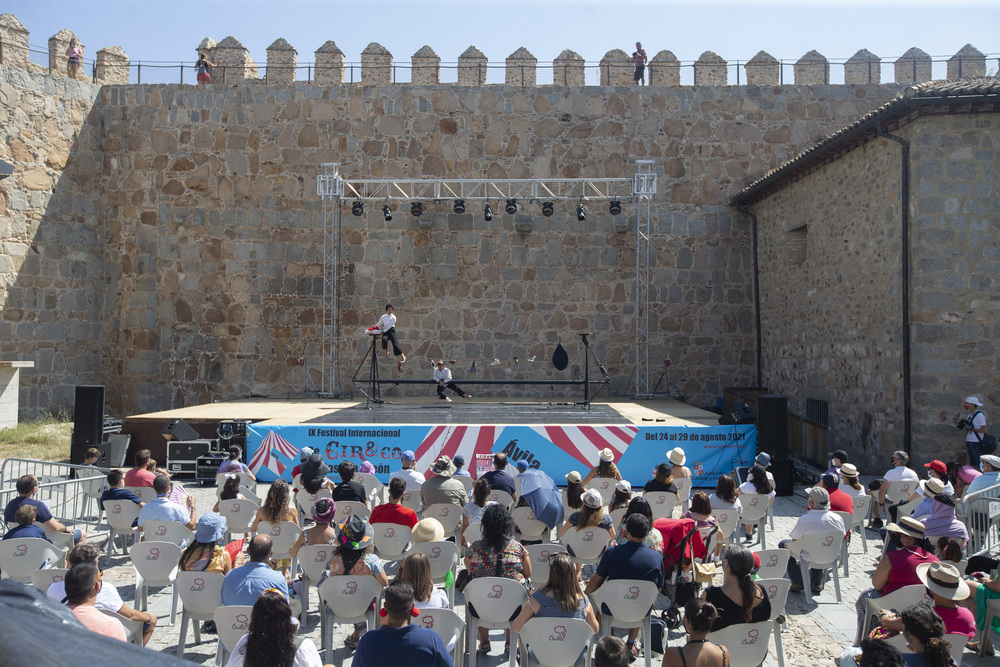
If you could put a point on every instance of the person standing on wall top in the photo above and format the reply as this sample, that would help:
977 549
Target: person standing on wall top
386 326
974 425
442 374
639 59
202 66
74 56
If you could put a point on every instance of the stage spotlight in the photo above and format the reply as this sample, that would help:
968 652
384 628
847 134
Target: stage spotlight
487 213
416 208
615 207
511 207
386 213
459 206
358 208
547 209
581 213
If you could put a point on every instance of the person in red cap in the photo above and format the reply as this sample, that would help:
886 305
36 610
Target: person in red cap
939 470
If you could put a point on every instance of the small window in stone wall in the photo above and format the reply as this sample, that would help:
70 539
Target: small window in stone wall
818 411
796 242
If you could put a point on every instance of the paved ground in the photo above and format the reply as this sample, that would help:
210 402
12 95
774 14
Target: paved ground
814 634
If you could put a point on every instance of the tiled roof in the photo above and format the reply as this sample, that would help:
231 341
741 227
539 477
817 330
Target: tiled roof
983 90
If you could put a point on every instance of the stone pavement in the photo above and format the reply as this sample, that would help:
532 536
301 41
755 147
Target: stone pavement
814 634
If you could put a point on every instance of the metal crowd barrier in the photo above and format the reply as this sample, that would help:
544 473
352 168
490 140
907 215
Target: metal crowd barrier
981 513
74 502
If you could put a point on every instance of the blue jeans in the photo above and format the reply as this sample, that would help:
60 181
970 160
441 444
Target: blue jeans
973 448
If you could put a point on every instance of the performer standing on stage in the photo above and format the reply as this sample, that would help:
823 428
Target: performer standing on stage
442 374
386 325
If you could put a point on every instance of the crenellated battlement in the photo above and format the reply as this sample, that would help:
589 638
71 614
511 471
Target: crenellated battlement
521 68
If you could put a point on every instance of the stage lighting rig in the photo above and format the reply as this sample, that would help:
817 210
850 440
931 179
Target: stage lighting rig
416 208
581 213
358 208
511 207
615 207
459 206
487 213
386 213
547 209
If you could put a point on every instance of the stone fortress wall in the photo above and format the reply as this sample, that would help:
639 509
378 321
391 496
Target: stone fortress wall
166 240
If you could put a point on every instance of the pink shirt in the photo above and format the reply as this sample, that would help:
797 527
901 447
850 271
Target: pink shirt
99 622
136 477
968 473
639 57
904 564
958 621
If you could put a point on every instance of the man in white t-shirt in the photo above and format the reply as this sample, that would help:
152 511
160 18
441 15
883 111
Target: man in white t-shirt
974 425
817 519
898 473
386 326
408 474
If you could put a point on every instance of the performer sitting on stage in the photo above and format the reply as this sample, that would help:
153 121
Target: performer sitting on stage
443 376
386 325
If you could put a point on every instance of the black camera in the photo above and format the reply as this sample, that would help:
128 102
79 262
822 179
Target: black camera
963 423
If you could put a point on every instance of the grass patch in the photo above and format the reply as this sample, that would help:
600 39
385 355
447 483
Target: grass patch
46 438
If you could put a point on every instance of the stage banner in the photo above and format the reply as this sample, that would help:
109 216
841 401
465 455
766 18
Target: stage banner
273 451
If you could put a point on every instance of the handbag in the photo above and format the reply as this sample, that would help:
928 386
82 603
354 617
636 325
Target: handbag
987 441
704 573
463 579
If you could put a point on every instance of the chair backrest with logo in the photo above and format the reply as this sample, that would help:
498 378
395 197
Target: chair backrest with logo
747 642
283 535
21 557
557 642
539 555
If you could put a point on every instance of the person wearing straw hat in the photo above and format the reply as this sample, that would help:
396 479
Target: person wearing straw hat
946 587
849 481
898 473
605 468
974 425
677 460
428 530
817 519
443 487
941 520
353 556
897 568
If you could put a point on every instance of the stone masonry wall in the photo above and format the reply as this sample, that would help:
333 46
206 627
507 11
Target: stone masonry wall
831 315
51 272
955 243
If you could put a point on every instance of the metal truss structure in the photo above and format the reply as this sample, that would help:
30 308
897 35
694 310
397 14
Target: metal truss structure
333 188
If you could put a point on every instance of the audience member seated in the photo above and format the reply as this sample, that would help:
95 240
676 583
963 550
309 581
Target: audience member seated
623 493
25 517
408 473
574 490
460 470
205 553
107 597
398 641
961 473
605 468
323 512
817 519
849 481
416 569
739 599
990 477
354 556
839 501
632 560
701 511
234 464
699 617
163 509
139 475
871 653
758 482
393 511
837 459
498 554
898 473
663 481
981 591
591 516
941 521
443 487
304 455
314 475
498 478
271 637
610 651
925 631
560 597
83 584
946 587
27 486
725 496
897 568
277 507
428 530
473 510
349 490
116 489
654 539
244 584
230 490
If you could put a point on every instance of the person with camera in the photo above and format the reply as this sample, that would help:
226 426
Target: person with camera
974 425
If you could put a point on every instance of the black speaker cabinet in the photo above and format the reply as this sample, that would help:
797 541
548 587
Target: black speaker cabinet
177 429
772 425
740 413
182 457
784 484
88 416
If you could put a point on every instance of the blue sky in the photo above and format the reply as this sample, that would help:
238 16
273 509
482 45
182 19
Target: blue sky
169 31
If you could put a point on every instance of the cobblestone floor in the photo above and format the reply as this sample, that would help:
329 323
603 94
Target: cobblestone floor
815 634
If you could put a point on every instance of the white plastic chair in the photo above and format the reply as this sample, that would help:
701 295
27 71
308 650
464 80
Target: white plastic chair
495 601
313 560
848 520
411 499
346 599
729 523
374 489
232 623
618 516
661 503
60 540
824 550
239 513
906 509
304 502
773 563
249 494
627 603
862 506
201 594
604 486
957 642
220 481
283 535
755 506
897 601
557 642
586 545
133 629
683 485
467 482
449 515
20 558
121 514
900 491
42 579
747 642
449 625
391 540
528 526
93 489
501 497
539 555
155 564
443 558
346 508
777 593
146 493
166 531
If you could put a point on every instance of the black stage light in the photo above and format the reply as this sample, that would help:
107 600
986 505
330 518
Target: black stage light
459 206
358 208
487 213
416 208
581 214
547 209
615 207
386 213
511 207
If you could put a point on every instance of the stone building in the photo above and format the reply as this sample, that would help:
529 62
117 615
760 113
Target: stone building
878 260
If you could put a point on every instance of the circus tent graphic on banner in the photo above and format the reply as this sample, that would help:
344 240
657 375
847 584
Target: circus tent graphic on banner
265 457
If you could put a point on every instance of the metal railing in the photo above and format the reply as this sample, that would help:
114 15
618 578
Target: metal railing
981 513
71 501
44 471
